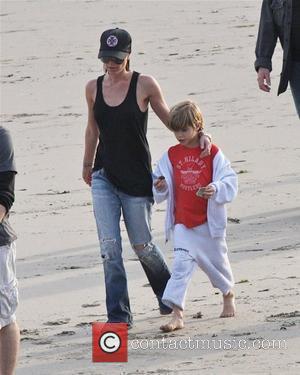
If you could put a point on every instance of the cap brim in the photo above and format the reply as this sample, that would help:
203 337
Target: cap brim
118 54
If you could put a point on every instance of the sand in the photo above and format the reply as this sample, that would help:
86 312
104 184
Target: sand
202 50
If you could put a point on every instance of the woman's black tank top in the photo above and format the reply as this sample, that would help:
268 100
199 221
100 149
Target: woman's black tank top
123 149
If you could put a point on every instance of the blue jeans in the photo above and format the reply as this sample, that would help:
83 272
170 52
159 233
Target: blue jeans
108 203
295 84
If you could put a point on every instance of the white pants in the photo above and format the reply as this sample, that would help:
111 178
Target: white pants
8 285
195 246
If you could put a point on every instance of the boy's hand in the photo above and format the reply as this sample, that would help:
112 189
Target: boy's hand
206 192
160 184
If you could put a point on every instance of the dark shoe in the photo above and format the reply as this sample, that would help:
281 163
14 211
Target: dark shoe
129 325
163 309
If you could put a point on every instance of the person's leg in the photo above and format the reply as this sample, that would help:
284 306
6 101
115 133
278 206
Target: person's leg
295 84
9 331
137 216
175 292
107 210
9 348
212 258
183 267
228 305
175 323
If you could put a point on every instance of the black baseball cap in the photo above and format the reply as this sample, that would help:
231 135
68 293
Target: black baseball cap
115 43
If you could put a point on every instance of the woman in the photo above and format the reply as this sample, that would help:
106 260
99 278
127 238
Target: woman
117 165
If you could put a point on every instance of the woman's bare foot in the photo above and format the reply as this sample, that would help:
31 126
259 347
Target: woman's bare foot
229 306
173 325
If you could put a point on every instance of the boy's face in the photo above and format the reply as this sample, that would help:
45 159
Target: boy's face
187 137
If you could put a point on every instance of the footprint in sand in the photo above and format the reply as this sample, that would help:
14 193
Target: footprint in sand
242 334
66 333
83 324
58 322
29 334
198 315
282 316
42 342
94 304
25 331
69 268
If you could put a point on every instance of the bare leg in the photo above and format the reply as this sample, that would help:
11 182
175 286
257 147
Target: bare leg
229 305
175 323
9 348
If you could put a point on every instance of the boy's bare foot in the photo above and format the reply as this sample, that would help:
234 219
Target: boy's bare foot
229 306
173 325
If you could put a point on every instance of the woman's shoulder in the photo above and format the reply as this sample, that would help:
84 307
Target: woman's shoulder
147 80
91 84
149 85
91 89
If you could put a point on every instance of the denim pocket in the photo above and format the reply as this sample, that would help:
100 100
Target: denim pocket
277 4
278 12
98 173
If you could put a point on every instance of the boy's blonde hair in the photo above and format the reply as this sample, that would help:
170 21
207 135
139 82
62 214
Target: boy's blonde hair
185 114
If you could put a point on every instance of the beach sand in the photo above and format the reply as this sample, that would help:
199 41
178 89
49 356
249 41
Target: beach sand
202 50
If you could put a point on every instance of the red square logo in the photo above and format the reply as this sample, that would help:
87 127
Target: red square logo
110 342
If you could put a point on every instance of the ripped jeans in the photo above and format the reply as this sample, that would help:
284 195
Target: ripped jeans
108 203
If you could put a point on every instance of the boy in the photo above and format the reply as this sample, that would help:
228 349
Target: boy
196 191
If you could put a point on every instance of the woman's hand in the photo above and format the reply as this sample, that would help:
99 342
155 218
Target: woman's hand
205 145
87 174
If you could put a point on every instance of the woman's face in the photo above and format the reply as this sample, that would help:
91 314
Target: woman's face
112 65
